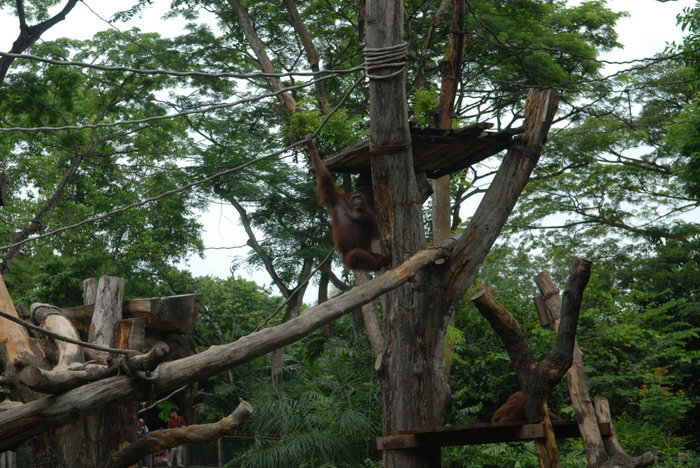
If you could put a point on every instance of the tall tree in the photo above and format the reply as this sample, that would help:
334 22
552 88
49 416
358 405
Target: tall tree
92 167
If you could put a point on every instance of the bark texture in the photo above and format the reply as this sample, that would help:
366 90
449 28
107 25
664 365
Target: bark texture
414 394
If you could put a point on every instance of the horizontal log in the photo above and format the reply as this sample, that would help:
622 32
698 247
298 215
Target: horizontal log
476 434
61 380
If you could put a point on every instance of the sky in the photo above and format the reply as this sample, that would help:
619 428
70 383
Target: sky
649 27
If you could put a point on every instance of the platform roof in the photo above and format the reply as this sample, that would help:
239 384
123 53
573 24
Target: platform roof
436 152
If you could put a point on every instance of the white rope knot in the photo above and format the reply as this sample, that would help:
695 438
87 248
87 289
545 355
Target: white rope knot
385 57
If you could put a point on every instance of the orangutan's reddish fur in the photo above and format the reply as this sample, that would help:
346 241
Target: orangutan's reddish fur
354 226
514 410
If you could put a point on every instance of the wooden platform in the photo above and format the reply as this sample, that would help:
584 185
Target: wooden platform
435 151
476 434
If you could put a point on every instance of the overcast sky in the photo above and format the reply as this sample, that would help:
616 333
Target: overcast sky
649 27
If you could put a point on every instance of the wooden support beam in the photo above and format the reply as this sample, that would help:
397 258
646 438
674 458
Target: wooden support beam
477 434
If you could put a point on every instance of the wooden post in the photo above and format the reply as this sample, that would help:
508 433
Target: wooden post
108 311
89 291
126 334
618 457
109 430
411 373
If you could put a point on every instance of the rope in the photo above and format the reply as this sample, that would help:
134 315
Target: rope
383 58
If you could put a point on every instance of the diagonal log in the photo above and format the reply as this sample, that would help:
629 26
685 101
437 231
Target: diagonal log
500 198
618 457
38 416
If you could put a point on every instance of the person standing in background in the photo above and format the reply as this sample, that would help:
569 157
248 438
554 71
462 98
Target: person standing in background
174 422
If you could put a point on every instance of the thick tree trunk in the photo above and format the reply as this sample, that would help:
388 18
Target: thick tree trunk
414 394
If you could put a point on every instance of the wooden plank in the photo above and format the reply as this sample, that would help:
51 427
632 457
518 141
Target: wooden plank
396 442
477 434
